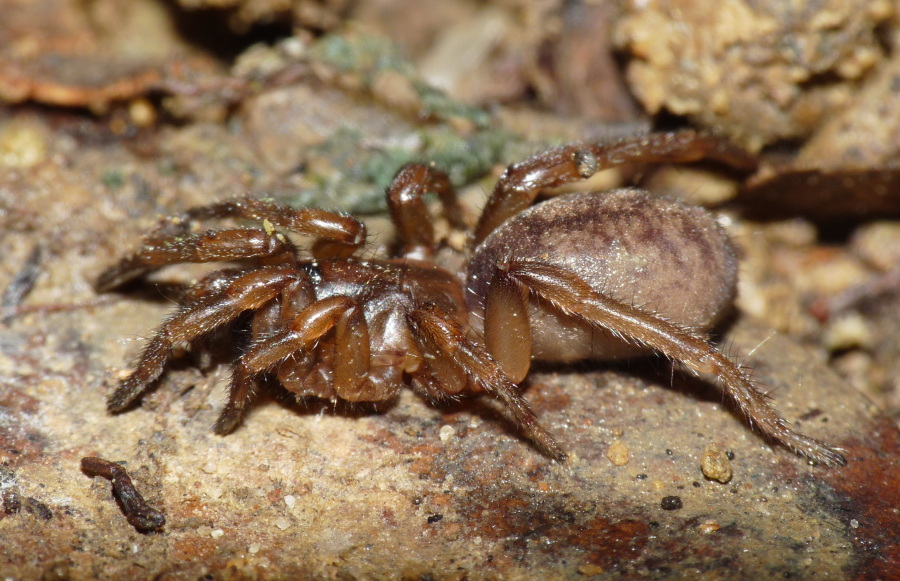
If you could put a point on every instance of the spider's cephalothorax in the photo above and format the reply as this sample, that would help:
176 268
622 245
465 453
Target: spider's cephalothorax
591 275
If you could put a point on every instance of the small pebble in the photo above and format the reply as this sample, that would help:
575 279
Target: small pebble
715 464
590 570
142 112
671 503
618 453
446 433
290 500
22 144
216 533
878 243
282 523
849 331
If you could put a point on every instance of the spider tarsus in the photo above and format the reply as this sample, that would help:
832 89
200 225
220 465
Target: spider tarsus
117 276
228 421
125 395
546 444
813 449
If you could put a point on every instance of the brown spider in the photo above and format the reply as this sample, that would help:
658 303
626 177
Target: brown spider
590 275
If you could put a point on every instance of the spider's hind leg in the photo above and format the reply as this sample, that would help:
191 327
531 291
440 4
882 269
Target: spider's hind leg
409 212
570 294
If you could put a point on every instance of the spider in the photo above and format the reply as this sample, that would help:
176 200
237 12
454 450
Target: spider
597 275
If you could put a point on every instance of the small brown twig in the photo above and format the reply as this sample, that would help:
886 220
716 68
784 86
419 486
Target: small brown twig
138 513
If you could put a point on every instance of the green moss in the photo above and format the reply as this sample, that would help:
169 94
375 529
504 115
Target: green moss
113 179
357 176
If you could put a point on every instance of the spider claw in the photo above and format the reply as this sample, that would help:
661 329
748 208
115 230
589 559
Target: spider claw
228 421
818 452
124 395
549 447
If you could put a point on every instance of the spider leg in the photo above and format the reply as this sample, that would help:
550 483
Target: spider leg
337 235
571 295
408 210
449 339
246 292
305 330
523 182
296 372
212 246
426 384
439 375
312 222
359 370
210 285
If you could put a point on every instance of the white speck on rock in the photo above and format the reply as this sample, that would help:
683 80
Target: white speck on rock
446 433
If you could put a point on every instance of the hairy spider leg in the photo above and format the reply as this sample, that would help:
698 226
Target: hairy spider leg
337 235
296 373
310 373
246 292
523 182
210 285
571 295
437 376
313 222
211 246
409 212
311 324
449 339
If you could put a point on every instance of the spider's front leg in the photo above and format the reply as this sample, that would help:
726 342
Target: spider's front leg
172 243
197 318
320 224
571 295
212 246
336 235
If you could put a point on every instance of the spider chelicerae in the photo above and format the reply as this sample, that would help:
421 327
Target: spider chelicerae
599 275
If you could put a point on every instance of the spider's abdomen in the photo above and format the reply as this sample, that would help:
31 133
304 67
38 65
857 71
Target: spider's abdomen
663 256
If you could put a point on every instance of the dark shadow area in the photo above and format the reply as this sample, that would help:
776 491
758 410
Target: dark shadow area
209 29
